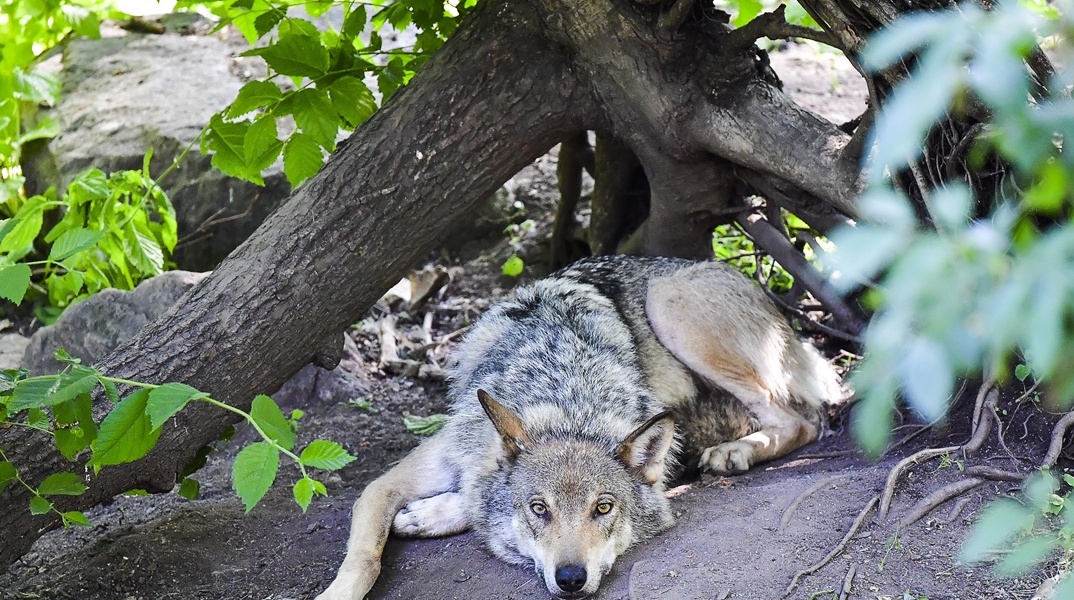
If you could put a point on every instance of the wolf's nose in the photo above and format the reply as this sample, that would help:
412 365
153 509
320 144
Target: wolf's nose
570 578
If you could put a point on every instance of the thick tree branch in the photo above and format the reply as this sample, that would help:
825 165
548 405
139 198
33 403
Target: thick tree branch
388 195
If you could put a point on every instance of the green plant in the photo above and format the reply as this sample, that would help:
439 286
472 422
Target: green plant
516 232
962 284
61 406
315 77
112 231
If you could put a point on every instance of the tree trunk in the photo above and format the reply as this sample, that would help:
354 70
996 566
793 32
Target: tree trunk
518 76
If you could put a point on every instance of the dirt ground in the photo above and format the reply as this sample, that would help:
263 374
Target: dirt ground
728 542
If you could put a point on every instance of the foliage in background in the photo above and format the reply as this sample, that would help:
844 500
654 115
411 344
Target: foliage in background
960 292
318 76
104 230
131 428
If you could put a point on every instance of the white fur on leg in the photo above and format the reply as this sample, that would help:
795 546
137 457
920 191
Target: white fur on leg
440 515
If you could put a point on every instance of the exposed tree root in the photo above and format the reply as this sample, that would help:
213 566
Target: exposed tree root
936 498
994 474
787 514
835 551
956 510
893 476
1056 445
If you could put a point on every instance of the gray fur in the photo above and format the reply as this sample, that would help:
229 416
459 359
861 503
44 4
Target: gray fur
569 465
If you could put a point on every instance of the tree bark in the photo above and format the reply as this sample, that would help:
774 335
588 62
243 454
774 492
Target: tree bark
494 98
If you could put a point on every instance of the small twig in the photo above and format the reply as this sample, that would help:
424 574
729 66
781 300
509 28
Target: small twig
936 498
787 514
1056 446
443 339
213 221
893 476
848 582
835 551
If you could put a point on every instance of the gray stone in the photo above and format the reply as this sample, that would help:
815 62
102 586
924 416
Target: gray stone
94 327
12 347
124 95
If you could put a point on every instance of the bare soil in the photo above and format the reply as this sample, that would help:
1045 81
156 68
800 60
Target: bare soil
728 542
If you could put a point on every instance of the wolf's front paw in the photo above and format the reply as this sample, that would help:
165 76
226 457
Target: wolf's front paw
443 514
728 458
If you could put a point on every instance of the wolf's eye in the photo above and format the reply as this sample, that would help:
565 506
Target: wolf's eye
538 508
604 508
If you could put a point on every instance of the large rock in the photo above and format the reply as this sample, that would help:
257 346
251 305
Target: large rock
124 95
94 327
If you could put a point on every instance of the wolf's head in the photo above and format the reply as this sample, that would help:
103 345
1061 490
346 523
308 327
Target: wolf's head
570 506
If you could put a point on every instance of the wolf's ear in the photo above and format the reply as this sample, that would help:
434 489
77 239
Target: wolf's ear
514 436
646 448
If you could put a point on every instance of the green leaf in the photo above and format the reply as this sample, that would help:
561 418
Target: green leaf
927 377
37 86
143 251
872 419
167 400
31 392
39 506
747 10
512 267
225 140
254 471
189 488
1021 372
268 416
37 418
267 20
902 37
302 158
1027 555
297 56
352 100
423 425
62 484
255 94
325 454
261 146
14 281
74 241
7 474
303 492
23 232
74 517
1000 522
316 117
126 434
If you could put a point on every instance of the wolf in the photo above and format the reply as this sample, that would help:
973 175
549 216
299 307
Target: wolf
565 398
